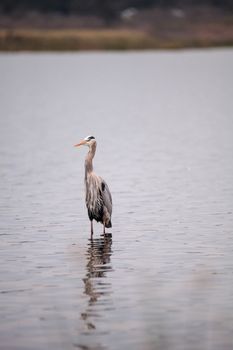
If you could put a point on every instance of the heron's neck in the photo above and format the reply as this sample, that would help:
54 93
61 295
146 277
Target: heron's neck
88 161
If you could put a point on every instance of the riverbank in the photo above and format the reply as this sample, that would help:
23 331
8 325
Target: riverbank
135 30
75 40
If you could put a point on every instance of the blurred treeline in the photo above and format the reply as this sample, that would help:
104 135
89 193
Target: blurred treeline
114 24
110 9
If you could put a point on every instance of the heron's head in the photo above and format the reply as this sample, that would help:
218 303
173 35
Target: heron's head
88 141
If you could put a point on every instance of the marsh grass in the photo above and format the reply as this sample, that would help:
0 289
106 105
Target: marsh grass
13 40
102 39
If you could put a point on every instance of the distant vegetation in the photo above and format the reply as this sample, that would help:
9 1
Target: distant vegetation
108 9
70 40
114 24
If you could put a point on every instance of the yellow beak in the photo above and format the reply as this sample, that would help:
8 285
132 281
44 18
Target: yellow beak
80 143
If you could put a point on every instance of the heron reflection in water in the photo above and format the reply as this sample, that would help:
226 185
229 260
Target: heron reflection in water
95 286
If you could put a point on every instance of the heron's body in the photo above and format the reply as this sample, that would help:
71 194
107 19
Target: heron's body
98 196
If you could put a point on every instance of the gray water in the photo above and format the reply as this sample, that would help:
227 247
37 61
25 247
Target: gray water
164 126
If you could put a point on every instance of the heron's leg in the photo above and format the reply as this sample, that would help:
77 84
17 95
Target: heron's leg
92 231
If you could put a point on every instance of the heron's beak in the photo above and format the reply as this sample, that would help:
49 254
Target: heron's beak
83 142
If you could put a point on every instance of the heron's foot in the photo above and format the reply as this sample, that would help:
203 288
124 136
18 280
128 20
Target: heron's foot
106 235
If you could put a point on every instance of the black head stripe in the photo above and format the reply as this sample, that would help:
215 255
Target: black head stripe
88 138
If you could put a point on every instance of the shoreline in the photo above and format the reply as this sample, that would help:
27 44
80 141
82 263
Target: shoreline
13 40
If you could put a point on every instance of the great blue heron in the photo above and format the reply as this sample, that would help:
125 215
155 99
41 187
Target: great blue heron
98 196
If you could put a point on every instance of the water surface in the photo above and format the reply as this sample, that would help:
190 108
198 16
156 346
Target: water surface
163 123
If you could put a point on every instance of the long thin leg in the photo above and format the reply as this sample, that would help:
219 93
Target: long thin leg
92 231
104 229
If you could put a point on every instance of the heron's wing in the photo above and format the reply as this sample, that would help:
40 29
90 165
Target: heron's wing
107 198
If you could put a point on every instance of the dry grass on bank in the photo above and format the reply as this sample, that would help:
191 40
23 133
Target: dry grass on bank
102 39
62 40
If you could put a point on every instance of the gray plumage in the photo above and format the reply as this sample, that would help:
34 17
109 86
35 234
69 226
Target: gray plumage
98 196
